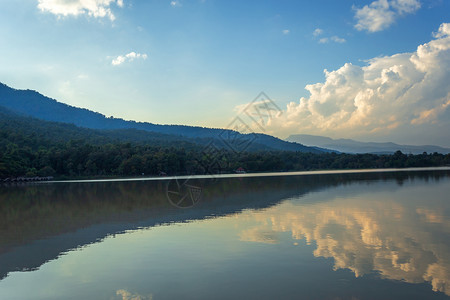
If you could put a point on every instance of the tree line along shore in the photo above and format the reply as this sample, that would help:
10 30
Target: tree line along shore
77 159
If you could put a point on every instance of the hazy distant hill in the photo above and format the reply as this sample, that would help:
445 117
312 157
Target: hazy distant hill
351 146
32 103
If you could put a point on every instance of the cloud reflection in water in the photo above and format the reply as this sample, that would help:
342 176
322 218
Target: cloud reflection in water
400 240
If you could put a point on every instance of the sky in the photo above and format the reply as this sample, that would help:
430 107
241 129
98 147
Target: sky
367 70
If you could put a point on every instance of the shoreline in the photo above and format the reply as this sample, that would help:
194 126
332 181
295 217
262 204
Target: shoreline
266 174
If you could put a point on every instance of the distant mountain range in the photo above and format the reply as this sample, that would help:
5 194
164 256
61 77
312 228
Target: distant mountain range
28 103
352 146
33 104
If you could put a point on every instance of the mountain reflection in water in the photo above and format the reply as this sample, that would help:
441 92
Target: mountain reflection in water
368 223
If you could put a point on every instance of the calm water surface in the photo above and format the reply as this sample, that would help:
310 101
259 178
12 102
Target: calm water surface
324 236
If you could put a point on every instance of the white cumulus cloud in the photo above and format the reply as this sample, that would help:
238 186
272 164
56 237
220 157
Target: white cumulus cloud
391 95
93 8
381 14
127 58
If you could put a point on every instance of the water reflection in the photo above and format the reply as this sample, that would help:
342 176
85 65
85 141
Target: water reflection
403 238
126 295
396 225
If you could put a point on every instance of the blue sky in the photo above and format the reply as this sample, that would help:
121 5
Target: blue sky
194 61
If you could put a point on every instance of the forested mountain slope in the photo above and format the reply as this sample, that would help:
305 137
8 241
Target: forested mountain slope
34 104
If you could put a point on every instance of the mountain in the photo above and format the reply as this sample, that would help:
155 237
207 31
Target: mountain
31 148
34 104
34 148
31 132
18 128
352 146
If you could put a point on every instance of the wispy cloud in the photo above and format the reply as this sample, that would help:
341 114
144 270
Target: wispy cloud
175 3
127 58
317 32
381 14
338 39
335 39
286 31
389 96
92 8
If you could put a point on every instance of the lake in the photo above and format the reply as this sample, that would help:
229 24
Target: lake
315 235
